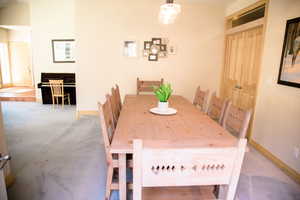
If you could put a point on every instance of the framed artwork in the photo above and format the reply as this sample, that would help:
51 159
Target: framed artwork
163 54
147 45
130 49
146 53
289 73
163 47
153 57
63 51
172 50
156 41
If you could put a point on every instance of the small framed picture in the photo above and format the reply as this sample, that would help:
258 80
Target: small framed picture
147 45
163 47
163 54
156 41
172 50
63 51
130 49
153 57
146 53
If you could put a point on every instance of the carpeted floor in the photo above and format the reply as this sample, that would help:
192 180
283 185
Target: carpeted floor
56 157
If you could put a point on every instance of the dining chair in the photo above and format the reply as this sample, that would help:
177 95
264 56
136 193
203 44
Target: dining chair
236 120
216 108
57 91
200 99
156 169
114 107
118 97
147 86
108 128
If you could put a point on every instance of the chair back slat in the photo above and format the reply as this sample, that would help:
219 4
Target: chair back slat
236 120
107 126
200 98
185 167
147 86
57 87
114 107
118 97
216 108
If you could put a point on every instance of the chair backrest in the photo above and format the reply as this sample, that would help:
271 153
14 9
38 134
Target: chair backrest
216 108
114 107
200 98
186 167
147 86
57 87
107 126
118 97
236 120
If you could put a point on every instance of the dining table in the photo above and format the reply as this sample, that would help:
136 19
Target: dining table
188 128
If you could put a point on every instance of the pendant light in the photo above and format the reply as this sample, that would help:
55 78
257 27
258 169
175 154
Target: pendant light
168 12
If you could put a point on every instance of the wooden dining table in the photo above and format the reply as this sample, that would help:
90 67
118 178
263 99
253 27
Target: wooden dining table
188 128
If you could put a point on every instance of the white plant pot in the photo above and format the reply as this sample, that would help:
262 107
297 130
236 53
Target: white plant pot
163 106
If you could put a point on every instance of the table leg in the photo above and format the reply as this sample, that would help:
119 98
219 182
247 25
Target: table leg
122 176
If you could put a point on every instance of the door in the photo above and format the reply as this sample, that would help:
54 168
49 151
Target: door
241 69
20 61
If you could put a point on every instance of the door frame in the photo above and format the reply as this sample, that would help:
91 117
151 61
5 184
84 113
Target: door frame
247 26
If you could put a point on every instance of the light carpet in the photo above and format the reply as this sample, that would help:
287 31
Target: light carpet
56 157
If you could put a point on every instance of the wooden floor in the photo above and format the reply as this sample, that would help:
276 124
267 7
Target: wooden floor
17 94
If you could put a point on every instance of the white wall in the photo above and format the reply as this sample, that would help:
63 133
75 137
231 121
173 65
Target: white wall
276 121
237 5
19 36
50 20
3 35
102 26
20 57
15 13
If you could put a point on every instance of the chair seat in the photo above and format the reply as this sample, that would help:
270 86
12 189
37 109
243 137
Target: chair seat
179 193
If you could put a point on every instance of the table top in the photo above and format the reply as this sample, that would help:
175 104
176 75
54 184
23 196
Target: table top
189 128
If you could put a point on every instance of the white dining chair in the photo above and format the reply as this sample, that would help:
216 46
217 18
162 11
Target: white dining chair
160 173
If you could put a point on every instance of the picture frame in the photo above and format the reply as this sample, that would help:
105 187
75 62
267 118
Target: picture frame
153 57
290 57
163 54
147 45
163 47
130 48
146 53
172 50
156 41
63 50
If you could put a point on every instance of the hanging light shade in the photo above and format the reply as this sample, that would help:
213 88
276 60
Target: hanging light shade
169 11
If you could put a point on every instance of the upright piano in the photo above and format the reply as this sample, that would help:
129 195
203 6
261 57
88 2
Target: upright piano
69 86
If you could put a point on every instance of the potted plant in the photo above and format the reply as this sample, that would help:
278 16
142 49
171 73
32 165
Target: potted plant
163 93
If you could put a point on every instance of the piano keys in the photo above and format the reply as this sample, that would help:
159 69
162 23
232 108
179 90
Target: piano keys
69 86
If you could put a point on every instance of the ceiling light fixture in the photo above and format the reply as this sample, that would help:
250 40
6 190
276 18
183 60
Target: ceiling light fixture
168 12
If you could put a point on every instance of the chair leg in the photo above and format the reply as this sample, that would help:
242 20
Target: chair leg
62 101
109 182
53 101
69 99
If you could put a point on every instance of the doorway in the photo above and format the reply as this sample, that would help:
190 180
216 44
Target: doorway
17 81
243 50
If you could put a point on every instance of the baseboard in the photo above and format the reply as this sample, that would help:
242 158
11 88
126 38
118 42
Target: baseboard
22 85
9 180
86 112
284 167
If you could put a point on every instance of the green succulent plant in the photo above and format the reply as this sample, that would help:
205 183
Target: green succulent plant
163 92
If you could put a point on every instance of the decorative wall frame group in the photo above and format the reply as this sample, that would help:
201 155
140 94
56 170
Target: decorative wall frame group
156 48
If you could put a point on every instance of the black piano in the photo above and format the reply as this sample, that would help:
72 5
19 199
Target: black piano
69 86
